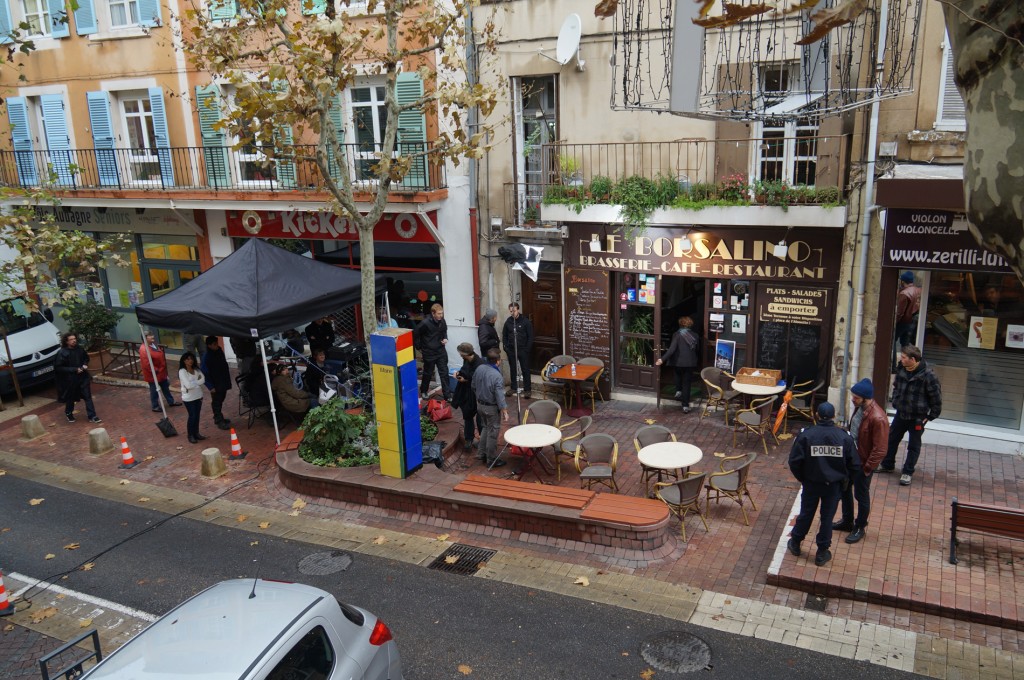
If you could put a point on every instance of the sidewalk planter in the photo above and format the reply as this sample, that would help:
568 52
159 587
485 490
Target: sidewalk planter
755 215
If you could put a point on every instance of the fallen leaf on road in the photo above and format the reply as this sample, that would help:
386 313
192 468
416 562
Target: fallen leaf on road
182 479
49 556
650 421
263 525
144 499
147 458
255 543
72 546
582 581
785 435
36 501
241 518
8 628
464 669
451 559
44 614
124 482
61 596
84 623
294 513
52 444
443 537
481 565
647 674
299 504
209 511
625 654
5 530
3 472
88 566
380 540
179 448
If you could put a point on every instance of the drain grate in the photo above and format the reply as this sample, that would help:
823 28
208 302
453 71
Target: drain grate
324 563
467 559
815 604
676 652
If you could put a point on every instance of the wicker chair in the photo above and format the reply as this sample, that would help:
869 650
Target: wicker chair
652 434
718 395
543 411
804 403
597 458
757 420
732 482
589 388
555 387
682 496
570 442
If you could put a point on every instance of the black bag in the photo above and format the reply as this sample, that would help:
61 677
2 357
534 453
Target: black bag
433 452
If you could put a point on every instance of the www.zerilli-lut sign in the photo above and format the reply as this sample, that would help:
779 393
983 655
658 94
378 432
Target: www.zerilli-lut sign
935 239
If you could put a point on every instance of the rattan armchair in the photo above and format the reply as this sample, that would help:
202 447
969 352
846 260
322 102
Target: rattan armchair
718 394
543 411
570 442
645 436
682 496
597 458
804 402
757 420
551 387
731 481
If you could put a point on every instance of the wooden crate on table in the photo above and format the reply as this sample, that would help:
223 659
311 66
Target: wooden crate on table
768 377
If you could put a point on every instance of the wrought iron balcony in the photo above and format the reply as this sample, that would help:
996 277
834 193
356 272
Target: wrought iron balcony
204 169
774 170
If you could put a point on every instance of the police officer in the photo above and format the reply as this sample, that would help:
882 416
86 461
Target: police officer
823 459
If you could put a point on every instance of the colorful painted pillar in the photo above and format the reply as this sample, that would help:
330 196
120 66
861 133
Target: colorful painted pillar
396 402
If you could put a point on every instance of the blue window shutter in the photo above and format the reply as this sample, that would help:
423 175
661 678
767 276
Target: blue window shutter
412 129
314 6
223 10
21 138
5 21
103 138
85 18
57 141
58 19
149 13
214 141
286 154
163 137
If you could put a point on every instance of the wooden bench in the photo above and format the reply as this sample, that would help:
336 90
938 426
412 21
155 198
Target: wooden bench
515 490
628 510
986 519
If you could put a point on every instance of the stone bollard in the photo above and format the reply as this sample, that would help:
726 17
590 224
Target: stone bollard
99 441
213 463
31 427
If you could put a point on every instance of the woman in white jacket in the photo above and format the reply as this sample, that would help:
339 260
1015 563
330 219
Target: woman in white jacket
192 380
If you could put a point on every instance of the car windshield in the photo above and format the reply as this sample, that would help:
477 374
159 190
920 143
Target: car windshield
15 316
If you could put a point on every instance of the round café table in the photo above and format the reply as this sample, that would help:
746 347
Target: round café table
757 390
532 437
664 456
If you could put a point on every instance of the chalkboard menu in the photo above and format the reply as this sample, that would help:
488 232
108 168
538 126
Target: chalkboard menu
588 325
791 348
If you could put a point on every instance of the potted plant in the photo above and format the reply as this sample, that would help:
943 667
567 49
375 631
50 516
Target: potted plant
334 437
92 323
569 168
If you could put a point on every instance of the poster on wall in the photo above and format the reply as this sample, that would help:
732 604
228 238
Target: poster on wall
716 323
725 355
983 332
1015 336
739 323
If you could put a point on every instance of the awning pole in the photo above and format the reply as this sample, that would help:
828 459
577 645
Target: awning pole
270 390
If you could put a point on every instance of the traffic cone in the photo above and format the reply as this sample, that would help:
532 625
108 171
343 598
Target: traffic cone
127 460
236 449
6 608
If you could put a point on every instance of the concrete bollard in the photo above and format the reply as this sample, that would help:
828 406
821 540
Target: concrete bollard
99 441
213 463
32 427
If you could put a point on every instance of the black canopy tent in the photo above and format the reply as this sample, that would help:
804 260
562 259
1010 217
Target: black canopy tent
258 290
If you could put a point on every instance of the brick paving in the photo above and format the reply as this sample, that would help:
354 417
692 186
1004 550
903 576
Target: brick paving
22 649
898 576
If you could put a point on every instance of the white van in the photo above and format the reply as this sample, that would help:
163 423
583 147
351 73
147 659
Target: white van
33 341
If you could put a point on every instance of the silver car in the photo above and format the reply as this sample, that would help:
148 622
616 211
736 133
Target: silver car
259 630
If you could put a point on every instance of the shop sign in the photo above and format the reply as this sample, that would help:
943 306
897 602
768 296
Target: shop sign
935 239
786 304
109 219
808 254
401 227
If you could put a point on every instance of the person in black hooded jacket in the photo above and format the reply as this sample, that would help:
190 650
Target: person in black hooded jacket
464 398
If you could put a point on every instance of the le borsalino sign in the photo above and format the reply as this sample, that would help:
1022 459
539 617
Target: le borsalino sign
935 239
402 228
810 254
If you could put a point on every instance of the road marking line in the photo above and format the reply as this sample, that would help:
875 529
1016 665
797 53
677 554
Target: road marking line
99 602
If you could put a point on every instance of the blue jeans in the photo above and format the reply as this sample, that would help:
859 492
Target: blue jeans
898 428
813 494
154 399
194 408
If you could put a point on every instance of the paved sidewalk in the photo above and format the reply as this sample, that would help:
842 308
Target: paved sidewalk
899 566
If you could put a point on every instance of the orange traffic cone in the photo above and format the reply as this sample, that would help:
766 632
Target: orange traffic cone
236 449
6 608
127 460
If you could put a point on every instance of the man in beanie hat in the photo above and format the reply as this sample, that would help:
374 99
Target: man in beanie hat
823 460
917 398
870 430
908 304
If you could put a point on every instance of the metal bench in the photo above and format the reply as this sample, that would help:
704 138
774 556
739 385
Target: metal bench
986 519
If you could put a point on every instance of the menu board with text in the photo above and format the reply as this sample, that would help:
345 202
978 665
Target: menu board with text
588 322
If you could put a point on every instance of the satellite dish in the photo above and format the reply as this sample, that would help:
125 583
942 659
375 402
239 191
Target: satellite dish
568 39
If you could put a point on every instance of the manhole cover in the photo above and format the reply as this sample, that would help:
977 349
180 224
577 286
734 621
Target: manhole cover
815 603
324 563
676 652
462 559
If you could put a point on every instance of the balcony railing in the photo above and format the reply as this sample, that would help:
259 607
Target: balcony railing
205 168
812 170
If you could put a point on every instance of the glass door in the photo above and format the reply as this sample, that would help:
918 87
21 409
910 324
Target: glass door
637 320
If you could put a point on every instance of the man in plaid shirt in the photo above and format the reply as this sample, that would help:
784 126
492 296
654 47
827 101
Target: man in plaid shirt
917 398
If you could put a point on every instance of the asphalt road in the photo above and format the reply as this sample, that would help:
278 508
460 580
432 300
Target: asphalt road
440 620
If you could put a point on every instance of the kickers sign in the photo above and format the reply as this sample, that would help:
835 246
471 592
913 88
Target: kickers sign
400 227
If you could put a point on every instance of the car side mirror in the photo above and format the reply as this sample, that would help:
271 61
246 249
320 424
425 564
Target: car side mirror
48 314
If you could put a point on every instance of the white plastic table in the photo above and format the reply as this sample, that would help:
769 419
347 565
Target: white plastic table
757 390
533 436
669 456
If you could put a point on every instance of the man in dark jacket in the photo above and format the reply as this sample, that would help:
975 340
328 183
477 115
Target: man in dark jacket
431 338
870 430
486 333
464 398
320 334
73 381
218 380
517 336
917 398
682 355
823 460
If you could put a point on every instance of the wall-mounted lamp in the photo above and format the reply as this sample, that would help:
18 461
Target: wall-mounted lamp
686 245
780 249
595 243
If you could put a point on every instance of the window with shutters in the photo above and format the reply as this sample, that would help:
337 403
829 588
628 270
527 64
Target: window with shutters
251 164
950 114
124 13
536 106
788 151
35 20
369 118
37 16
144 165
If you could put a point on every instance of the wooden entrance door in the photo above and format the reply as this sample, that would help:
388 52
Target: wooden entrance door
542 304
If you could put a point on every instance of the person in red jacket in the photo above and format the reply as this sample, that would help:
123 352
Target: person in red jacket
153 351
870 430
